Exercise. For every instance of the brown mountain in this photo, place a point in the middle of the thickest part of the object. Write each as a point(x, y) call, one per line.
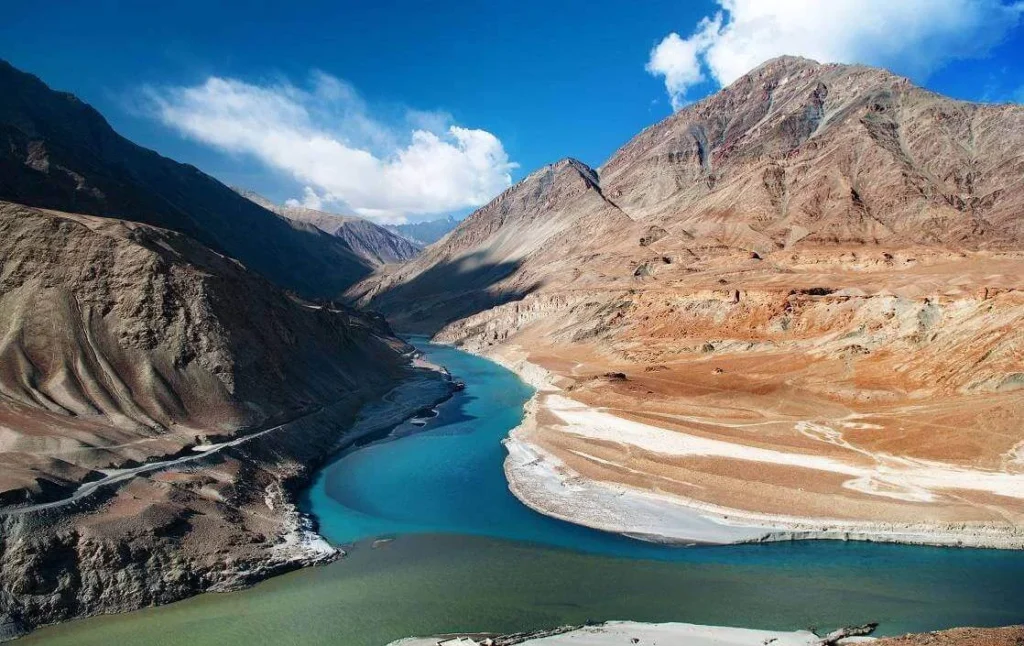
point(817, 262)
point(509, 248)
point(113, 330)
point(798, 152)
point(57, 152)
point(794, 155)
point(373, 243)
point(159, 407)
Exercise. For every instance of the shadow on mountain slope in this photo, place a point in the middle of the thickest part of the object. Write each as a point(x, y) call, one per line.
point(449, 291)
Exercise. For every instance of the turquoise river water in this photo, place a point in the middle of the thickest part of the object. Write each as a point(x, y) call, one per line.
point(467, 556)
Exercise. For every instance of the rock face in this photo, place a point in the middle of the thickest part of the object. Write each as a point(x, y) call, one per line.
point(115, 331)
point(59, 153)
point(373, 243)
point(798, 152)
point(819, 260)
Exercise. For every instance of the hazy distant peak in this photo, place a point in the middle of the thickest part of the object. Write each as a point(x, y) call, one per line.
point(372, 242)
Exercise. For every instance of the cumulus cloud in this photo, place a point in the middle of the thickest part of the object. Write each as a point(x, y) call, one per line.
point(913, 37)
point(325, 137)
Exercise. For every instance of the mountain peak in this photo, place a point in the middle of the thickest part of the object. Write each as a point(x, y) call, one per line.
point(786, 61)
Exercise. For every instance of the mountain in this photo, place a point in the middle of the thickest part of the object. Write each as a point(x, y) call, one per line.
point(124, 345)
point(425, 233)
point(795, 155)
point(114, 330)
point(57, 152)
point(501, 252)
point(812, 276)
point(373, 243)
point(799, 152)
point(165, 391)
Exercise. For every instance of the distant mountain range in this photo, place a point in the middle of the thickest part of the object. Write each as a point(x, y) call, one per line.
point(425, 233)
point(375, 244)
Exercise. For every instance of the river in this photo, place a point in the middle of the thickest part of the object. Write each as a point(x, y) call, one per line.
point(467, 556)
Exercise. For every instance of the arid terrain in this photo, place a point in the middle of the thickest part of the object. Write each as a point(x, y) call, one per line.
point(790, 309)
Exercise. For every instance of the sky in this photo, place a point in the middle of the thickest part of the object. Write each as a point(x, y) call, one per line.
point(409, 111)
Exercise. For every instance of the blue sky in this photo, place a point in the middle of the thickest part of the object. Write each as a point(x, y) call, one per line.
point(319, 101)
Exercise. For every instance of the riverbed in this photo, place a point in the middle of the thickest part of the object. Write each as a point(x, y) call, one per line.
point(460, 553)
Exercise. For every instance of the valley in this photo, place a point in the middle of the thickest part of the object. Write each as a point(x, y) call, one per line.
point(784, 309)
point(790, 311)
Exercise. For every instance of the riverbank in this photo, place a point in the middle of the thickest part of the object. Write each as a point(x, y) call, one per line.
point(615, 633)
point(440, 492)
point(571, 461)
point(222, 521)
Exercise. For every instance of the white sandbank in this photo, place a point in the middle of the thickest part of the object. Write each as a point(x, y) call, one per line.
point(546, 484)
point(623, 633)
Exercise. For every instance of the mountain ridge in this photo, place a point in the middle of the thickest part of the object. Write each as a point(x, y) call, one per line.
point(373, 243)
point(58, 152)
point(425, 233)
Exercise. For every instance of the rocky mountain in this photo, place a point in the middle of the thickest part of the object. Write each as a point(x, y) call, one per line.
point(159, 406)
point(503, 251)
point(799, 152)
point(114, 330)
point(425, 233)
point(373, 243)
point(57, 152)
point(818, 260)
point(793, 155)
point(165, 387)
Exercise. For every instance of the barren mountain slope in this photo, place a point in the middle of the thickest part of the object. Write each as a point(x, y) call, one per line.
point(540, 231)
point(797, 151)
point(159, 406)
point(373, 243)
point(57, 152)
point(120, 341)
point(806, 314)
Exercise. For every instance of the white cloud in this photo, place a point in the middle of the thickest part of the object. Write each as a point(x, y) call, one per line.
point(325, 138)
point(913, 37)
point(310, 200)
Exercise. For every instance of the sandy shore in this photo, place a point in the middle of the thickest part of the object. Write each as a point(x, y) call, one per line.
point(544, 482)
point(616, 633)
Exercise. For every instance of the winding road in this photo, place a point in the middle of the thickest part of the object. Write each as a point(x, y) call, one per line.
point(114, 476)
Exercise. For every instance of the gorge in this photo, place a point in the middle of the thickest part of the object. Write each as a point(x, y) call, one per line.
point(789, 311)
